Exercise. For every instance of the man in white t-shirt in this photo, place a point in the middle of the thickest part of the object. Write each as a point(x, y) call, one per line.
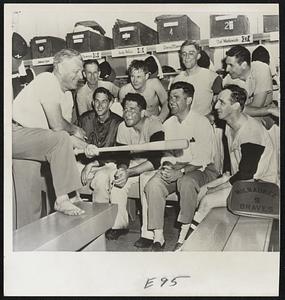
point(85, 94)
point(251, 150)
point(40, 131)
point(206, 82)
point(257, 80)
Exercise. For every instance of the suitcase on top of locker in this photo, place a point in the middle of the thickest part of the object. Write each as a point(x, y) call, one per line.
point(270, 23)
point(127, 34)
point(86, 41)
point(46, 46)
point(228, 25)
point(176, 28)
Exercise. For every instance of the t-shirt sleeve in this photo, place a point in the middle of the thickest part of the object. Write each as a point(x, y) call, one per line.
point(263, 78)
point(155, 125)
point(48, 90)
point(122, 135)
point(250, 157)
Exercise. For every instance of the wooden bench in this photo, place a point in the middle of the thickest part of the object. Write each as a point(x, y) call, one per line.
point(223, 231)
point(58, 232)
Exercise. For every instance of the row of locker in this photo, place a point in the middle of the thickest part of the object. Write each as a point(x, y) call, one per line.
point(126, 34)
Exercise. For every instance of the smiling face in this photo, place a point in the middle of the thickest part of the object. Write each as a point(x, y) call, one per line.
point(178, 102)
point(70, 71)
point(132, 113)
point(189, 56)
point(138, 79)
point(91, 73)
point(101, 104)
point(224, 105)
point(234, 68)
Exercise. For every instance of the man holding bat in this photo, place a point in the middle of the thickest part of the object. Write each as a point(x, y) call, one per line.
point(136, 129)
point(183, 171)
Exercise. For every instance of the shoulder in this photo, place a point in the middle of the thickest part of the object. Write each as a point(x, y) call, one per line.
point(82, 89)
point(258, 65)
point(126, 88)
point(169, 121)
point(153, 82)
point(198, 118)
point(106, 84)
point(252, 131)
point(180, 77)
point(207, 72)
point(46, 78)
point(88, 115)
point(115, 117)
point(153, 119)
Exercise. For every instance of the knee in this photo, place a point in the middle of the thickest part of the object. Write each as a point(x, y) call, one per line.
point(100, 181)
point(187, 182)
point(153, 183)
point(205, 204)
point(61, 137)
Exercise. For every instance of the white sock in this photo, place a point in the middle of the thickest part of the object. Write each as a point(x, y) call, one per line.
point(158, 236)
point(183, 233)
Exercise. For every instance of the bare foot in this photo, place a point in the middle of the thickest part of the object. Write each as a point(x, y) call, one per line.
point(66, 207)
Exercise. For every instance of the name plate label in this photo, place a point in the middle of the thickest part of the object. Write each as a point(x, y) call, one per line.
point(231, 40)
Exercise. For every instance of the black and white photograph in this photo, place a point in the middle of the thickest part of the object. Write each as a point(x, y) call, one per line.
point(138, 128)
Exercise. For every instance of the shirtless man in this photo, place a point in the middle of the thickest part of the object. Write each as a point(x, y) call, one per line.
point(151, 89)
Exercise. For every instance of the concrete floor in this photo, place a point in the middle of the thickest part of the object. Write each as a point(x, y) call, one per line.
point(126, 242)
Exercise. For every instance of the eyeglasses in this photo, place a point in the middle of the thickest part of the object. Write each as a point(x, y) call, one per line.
point(191, 53)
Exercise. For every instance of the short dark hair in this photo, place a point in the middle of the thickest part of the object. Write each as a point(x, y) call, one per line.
point(138, 64)
point(139, 99)
point(90, 62)
point(204, 60)
point(241, 53)
point(260, 54)
point(238, 94)
point(103, 91)
point(187, 88)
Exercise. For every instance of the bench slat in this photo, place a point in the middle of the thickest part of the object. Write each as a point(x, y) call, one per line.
point(213, 232)
point(250, 234)
point(58, 232)
point(223, 231)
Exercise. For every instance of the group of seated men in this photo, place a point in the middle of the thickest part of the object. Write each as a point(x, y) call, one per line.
point(43, 131)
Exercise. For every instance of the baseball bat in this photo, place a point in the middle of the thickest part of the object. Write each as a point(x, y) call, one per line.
point(151, 146)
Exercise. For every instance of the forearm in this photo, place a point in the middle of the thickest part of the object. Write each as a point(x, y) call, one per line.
point(221, 186)
point(188, 167)
point(141, 168)
point(66, 126)
point(163, 112)
point(255, 111)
